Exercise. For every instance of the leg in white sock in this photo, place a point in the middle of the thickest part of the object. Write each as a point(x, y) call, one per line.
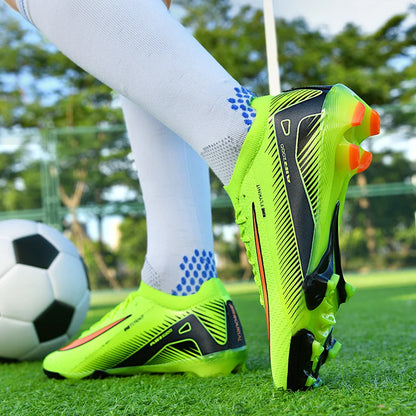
point(176, 191)
point(139, 50)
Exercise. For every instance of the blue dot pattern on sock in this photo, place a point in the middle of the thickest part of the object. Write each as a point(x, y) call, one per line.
point(196, 269)
point(241, 103)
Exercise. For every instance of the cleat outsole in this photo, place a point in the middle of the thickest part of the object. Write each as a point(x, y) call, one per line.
point(285, 189)
point(350, 159)
point(326, 290)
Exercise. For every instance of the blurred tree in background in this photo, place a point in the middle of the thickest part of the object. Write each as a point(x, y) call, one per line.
point(40, 88)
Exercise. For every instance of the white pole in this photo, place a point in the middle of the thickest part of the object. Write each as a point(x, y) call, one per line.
point(271, 47)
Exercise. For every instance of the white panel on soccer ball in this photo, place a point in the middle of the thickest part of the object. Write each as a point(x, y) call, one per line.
point(6, 256)
point(79, 315)
point(16, 338)
point(57, 239)
point(45, 348)
point(12, 229)
point(68, 278)
point(25, 292)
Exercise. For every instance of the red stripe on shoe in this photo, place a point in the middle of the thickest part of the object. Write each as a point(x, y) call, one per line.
point(84, 340)
point(261, 270)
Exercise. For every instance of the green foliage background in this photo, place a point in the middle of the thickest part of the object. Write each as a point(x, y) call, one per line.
point(41, 89)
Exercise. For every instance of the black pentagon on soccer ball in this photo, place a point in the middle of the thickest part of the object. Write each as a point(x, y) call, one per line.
point(34, 250)
point(54, 321)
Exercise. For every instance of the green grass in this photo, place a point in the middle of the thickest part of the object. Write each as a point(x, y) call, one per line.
point(374, 374)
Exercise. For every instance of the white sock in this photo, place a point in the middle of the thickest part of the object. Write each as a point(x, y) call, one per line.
point(138, 49)
point(176, 191)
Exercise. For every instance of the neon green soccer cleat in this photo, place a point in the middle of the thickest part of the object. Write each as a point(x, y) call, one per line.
point(158, 333)
point(288, 190)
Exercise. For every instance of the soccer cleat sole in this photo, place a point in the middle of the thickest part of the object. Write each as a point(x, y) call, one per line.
point(311, 175)
point(325, 289)
point(218, 364)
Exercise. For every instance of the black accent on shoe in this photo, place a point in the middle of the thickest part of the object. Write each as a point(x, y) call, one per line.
point(53, 375)
point(329, 343)
point(315, 283)
point(290, 142)
point(299, 360)
point(197, 340)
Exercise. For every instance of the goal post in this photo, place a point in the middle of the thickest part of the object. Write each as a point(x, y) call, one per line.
point(271, 47)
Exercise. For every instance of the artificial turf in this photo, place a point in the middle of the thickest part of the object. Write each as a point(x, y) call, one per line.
point(374, 374)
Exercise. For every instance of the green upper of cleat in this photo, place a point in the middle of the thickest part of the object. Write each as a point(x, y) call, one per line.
point(155, 332)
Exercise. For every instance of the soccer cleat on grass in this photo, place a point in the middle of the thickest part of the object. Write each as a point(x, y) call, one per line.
point(155, 332)
point(288, 190)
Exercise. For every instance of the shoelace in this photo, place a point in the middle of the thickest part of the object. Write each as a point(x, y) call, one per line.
point(121, 306)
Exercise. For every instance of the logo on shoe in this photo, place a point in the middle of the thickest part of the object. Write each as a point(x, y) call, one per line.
point(94, 335)
point(237, 326)
point(131, 324)
point(285, 164)
point(261, 201)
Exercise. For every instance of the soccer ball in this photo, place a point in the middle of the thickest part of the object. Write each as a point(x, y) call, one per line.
point(44, 290)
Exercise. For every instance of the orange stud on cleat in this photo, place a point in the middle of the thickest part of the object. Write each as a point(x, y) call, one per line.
point(358, 116)
point(354, 156)
point(365, 161)
point(374, 123)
